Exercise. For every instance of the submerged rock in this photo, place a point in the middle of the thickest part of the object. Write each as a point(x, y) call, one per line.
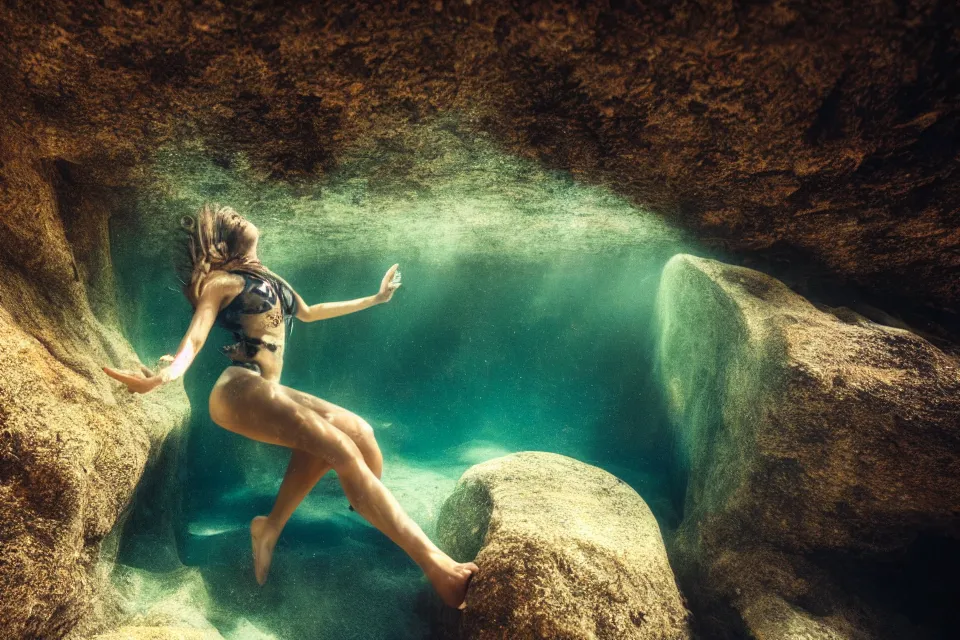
point(72, 451)
point(73, 446)
point(160, 604)
point(565, 550)
point(154, 633)
point(812, 442)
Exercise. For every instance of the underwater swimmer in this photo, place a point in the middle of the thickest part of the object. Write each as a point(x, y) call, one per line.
point(226, 283)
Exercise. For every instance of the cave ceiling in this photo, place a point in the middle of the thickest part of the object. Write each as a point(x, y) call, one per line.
point(823, 135)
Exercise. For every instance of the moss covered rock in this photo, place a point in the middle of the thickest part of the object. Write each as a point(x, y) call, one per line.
point(806, 436)
point(73, 445)
point(565, 550)
point(155, 633)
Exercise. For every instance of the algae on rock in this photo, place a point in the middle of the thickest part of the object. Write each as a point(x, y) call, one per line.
point(565, 549)
point(804, 436)
point(73, 445)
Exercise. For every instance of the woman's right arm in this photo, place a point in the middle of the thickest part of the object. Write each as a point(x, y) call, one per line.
point(215, 293)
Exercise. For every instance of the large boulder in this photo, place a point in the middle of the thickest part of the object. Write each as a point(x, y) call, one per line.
point(71, 453)
point(73, 444)
point(815, 439)
point(565, 550)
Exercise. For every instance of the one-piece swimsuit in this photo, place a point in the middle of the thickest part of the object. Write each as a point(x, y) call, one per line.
point(259, 295)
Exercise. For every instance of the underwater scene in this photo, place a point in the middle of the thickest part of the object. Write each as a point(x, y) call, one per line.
point(526, 322)
point(479, 320)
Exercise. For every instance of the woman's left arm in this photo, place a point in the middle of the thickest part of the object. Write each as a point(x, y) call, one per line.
point(325, 310)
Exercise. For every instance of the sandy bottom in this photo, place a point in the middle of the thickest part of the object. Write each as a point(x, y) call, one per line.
point(332, 576)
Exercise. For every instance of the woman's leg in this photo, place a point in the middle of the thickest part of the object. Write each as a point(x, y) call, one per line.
point(247, 404)
point(303, 472)
point(350, 423)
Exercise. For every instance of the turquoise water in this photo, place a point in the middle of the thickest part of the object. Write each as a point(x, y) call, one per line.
point(524, 323)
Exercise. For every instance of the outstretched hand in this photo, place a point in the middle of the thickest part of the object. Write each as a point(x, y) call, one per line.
point(143, 381)
point(389, 284)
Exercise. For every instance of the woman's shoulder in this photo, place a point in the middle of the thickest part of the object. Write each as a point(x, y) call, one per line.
point(222, 277)
point(223, 283)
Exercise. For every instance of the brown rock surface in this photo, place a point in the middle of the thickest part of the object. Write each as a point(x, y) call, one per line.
point(813, 444)
point(155, 633)
point(822, 132)
point(72, 445)
point(565, 550)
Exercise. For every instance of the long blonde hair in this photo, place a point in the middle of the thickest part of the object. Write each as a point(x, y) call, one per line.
point(212, 245)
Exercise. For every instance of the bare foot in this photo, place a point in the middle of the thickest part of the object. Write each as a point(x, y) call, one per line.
point(263, 538)
point(450, 580)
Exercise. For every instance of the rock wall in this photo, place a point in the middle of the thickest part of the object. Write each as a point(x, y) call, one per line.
point(565, 550)
point(813, 439)
point(72, 445)
point(822, 133)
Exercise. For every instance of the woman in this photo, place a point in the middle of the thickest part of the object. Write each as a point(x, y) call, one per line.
point(229, 285)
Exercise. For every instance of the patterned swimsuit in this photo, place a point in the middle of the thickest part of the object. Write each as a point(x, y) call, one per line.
point(259, 296)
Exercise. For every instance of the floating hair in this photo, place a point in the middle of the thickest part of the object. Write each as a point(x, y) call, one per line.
point(210, 247)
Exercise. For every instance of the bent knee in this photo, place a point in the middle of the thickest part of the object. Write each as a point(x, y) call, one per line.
point(363, 428)
point(351, 424)
point(367, 442)
point(374, 460)
point(324, 440)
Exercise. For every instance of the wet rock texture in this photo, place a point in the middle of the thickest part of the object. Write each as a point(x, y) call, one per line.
point(816, 440)
point(565, 550)
point(821, 132)
point(160, 604)
point(825, 132)
point(154, 633)
point(72, 446)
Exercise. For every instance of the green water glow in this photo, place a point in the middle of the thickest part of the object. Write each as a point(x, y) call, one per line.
point(524, 322)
